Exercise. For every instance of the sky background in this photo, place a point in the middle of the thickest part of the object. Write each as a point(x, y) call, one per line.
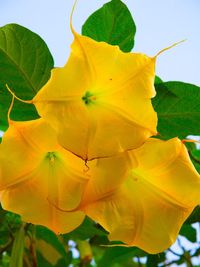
point(159, 24)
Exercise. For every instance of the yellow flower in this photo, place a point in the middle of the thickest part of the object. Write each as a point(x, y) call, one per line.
point(100, 101)
point(45, 183)
point(141, 197)
point(146, 205)
point(39, 178)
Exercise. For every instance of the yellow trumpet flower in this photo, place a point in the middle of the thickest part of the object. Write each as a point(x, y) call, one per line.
point(100, 101)
point(39, 178)
point(141, 197)
point(157, 193)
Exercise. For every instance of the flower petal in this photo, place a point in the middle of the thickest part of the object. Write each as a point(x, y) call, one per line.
point(100, 95)
point(111, 67)
point(148, 207)
point(166, 165)
point(18, 147)
point(139, 216)
point(106, 175)
point(26, 199)
point(37, 156)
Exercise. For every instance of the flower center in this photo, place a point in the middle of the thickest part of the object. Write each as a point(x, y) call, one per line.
point(51, 156)
point(88, 98)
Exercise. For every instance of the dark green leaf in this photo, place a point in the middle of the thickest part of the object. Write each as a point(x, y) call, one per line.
point(25, 64)
point(5, 236)
point(13, 221)
point(152, 260)
point(157, 80)
point(189, 232)
point(195, 216)
point(86, 230)
point(197, 252)
point(42, 262)
point(64, 261)
point(2, 215)
point(178, 108)
point(113, 24)
point(194, 155)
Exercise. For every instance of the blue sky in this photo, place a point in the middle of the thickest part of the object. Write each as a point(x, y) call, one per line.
point(159, 24)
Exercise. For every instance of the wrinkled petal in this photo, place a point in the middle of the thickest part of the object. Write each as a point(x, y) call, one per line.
point(26, 199)
point(160, 191)
point(100, 96)
point(167, 165)
point(106, 175)
point(111, 63)
point(139, 217)
point(59, 176)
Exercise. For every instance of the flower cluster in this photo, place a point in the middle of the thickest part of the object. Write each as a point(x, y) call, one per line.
point(91, 153)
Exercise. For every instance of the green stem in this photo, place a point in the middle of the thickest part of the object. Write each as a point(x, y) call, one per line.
point(18, 249)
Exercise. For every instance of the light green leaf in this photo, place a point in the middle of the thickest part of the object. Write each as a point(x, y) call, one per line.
point(25, 64)
point(113, 24)
point(178, 108)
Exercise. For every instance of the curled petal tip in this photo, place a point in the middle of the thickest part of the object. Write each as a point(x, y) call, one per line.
point(10, 109)
point(189, 141)
point(169, 47)
point(16, 97)
point(71, 17)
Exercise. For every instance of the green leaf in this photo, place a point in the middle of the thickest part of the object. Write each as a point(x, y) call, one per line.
point(113, 24)
point(25, 64)
point(42, 262)
point(195, 216)
point(49, 237)
point(86, 230)
point(178, 108)
point(157, 80)
point(5, 260)
point(189, 232)
point(18, 249)
point(154, 260)
point(194, 154)
point(119, 255)
point(2, 215)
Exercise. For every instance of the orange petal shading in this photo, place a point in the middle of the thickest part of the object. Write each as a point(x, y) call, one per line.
point(100, 101)
point(160, 191)
point(39, 178)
